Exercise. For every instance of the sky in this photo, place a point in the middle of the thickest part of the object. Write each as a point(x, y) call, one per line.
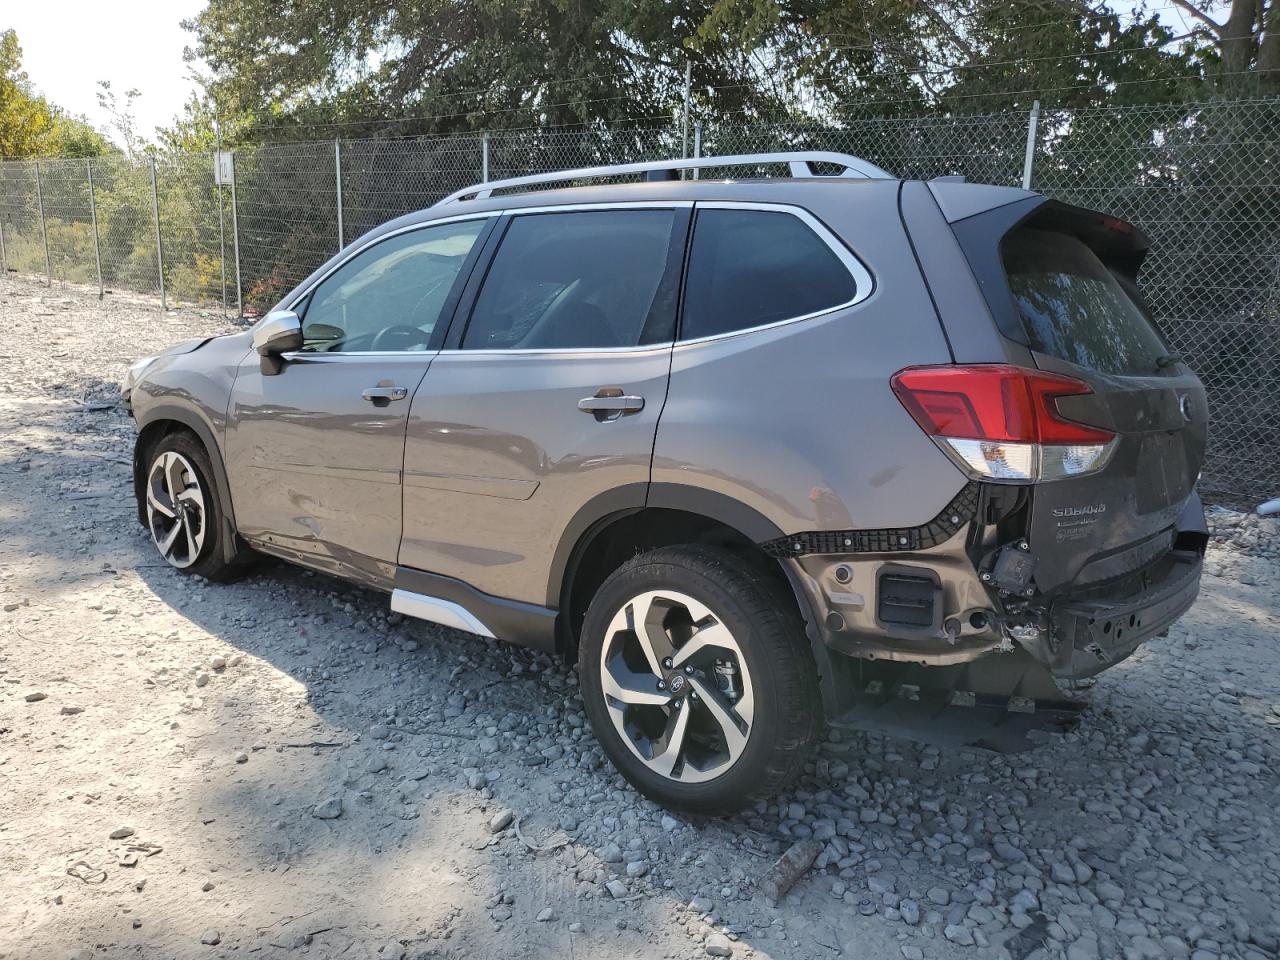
point(69, 45)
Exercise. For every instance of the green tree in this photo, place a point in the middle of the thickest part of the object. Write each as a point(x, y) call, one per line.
point(25, 118)
point(847, 57)
point(354, 67)
point(74, 137)
point(357, 67)
point(30, 126)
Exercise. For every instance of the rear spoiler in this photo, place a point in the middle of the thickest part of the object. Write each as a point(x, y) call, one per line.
point(1115, 241)
point(1118, 243)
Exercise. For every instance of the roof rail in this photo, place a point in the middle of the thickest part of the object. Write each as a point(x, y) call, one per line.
point(800, 163)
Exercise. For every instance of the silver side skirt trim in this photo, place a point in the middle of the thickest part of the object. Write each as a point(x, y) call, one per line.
point(436, 610)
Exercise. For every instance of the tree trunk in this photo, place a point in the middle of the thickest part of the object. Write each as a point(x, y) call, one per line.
point(1269, 51)
point(1237, 37)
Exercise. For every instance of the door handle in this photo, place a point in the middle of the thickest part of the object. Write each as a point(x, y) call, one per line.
point(610, 403)
point(382, 394)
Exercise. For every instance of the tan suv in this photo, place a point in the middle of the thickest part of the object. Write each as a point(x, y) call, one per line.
point(753, 452)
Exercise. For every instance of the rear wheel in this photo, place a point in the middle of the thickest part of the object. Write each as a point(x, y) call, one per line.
point(698, 680)
point(184, 514)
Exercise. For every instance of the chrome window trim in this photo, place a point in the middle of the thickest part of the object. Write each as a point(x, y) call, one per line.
point(863, 282)
point(512, 211)
point(563, 351)
point(362, 354)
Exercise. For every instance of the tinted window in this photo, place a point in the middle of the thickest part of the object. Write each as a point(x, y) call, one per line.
point(1073, 307)
point(751, 267)
point(562, 280)
point(389, 297)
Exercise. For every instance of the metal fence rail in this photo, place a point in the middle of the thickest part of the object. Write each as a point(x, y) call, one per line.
point(1203, 180)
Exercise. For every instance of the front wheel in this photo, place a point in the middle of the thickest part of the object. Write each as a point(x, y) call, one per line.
point(184, 515)
point(698, 680)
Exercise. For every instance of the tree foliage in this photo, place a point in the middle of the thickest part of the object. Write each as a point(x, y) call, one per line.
point(443, 65)
point(359, 67)
point(30, 126)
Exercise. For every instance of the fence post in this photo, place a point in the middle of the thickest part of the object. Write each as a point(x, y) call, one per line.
point(235, 236)
point(337, 185)
point(44, 230)
point(684, 120)
point(4, 202)
point(484, 157)
point(222, 229)
point(155, 213)
point(93, 216)
point(1032, 122)
point(697, 146)
point(4, 257)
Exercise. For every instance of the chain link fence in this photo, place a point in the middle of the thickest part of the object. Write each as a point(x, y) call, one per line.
point(1203, 180)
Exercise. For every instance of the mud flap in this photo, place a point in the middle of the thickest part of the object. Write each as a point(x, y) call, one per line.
point(994, 703)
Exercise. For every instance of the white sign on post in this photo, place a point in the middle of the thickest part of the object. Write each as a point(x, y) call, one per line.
point(224, 168)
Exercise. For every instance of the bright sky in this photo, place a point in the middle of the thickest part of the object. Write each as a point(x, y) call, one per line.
point(69, 45)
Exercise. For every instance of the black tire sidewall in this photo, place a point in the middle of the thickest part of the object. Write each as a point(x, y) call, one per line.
point(693, 572)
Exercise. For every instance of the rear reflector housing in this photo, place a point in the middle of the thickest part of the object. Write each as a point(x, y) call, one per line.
point(1001, 422)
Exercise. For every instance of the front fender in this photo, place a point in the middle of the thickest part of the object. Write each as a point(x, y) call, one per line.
point(159, 421)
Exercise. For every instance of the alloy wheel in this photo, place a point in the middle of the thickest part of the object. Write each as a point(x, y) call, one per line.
point(176, 510)
point(676, 686)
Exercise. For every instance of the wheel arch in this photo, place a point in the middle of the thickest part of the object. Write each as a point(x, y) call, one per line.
point(612, 528)
point(160, 422)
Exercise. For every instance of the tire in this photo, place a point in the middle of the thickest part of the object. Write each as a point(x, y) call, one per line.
point(752, 673)
point(190, 536)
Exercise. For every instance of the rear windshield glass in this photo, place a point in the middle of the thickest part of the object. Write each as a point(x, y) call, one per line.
point(1074, 308)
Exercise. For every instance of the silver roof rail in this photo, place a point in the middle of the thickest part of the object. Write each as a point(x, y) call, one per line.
point(799, 162)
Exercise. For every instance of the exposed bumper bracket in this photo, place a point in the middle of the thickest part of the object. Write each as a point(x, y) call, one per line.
point(992, 704)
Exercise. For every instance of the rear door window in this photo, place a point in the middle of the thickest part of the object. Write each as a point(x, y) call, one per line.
point(1076, 309)
point(749, 268)
point(588, 279)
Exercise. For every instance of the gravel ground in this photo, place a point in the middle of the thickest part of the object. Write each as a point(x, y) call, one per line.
point(280, 767)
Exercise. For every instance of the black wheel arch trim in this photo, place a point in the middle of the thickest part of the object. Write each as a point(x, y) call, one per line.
point(173, 413)
point(599, 511)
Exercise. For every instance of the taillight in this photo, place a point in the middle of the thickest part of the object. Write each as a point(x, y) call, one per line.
point(1002, 422)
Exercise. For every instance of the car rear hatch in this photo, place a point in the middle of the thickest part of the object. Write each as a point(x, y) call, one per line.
point(1066, 291)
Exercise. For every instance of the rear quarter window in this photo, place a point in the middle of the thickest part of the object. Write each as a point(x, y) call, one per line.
point(1074, 307)
point(748, 268)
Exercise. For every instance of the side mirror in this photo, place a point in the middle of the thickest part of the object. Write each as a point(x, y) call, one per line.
point(279, 332)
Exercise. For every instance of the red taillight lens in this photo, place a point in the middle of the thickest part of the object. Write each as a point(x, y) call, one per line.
point(993, 402)
point(1002, 423)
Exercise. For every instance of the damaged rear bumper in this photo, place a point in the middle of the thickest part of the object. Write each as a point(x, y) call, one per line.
point(1095, 632)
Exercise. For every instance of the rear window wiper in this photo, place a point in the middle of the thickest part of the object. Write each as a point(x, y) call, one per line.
point(1167, 360)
